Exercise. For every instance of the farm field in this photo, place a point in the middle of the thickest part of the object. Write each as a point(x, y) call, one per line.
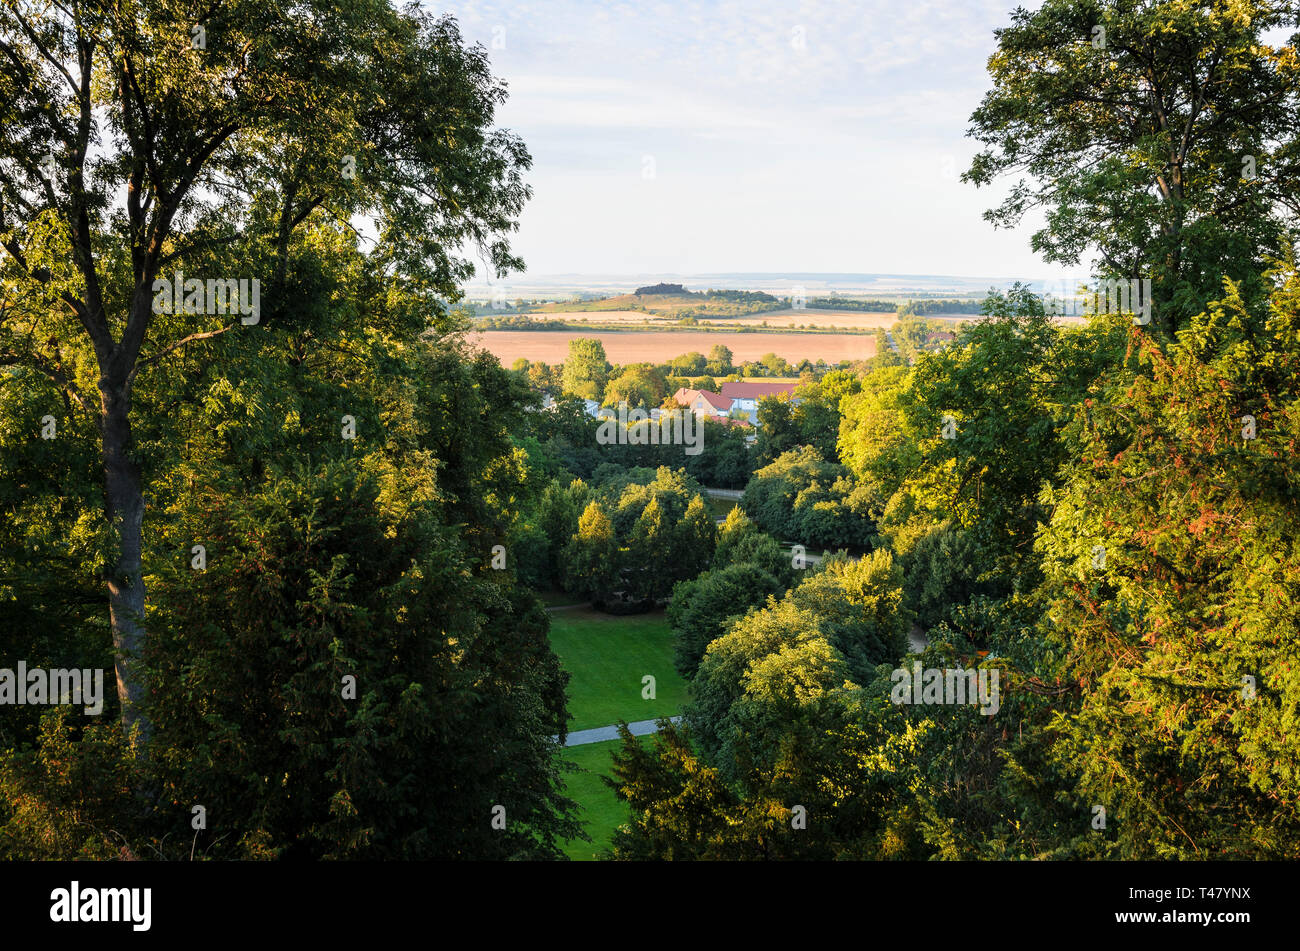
point(853, 320)
point(849, 319)
point(634, 317)
point(654, 303)
point(623, 347)
point(606, 657)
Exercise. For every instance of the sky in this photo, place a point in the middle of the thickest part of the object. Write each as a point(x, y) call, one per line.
point(750, 136)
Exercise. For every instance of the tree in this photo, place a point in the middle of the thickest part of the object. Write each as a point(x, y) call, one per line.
point(702, 608)
point(650, 553)
point(542, 376)
point(802, 498)
point(704, 383)
point(585, 368)
point(817, 416)
point(225, 150)
point(725, 461)
point(1171, 573)
point(314, 592)
point(639, 385)
point(678, 807)
point(694, 539)
point(740, 541)
point(687, 364)
point(543, 530)
point(721, 357)
point(310, 540)
point(755, 686)
point(591, 559)
point(1160, 136)
point(778, 432)
point(859, 607)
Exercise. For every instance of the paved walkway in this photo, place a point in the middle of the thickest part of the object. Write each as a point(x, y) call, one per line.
point(602, 733)
point(725, 493)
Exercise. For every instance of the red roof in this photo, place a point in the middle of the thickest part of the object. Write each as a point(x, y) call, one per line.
point(754, 391)
point(717, 401)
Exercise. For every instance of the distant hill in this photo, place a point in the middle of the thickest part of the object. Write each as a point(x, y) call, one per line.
point(674, 289)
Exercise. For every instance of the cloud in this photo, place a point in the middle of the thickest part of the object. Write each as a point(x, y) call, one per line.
point(816, 135)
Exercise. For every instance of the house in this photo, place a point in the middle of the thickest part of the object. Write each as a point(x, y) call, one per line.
point(744, 397)
point(684, 396)
point(751, 390)
point(703, 403)
point(737, 404)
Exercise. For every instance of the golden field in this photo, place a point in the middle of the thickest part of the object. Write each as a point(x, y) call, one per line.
point(648, 346)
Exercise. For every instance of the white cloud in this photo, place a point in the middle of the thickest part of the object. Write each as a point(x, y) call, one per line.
point(819, 135)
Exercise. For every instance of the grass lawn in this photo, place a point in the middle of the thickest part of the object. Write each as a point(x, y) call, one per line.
point(607, 656)
point(721, 508)
point(601, 811)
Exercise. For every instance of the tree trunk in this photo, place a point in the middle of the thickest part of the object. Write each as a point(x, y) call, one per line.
point(124, 506)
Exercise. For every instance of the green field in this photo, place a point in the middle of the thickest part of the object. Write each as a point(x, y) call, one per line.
point(602, 813)
point(607, 657)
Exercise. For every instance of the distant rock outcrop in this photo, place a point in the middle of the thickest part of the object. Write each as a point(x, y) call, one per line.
point(661, 289)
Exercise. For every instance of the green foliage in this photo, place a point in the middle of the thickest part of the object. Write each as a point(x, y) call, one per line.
point(586, 369)
point(702, 607)
point(678, 807)
point(858, 604)
point(642, 531)
point(346, 465)
point(69, 796)
point(638, 385)
point(318, 577)
point(740, 541)
point(804, 499)
point(778, 432)
point(758, 680)
point(1195, 589)
point(591, 559)
point(1136, 138)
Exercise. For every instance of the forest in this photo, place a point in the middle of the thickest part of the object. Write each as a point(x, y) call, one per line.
point(311, 542)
